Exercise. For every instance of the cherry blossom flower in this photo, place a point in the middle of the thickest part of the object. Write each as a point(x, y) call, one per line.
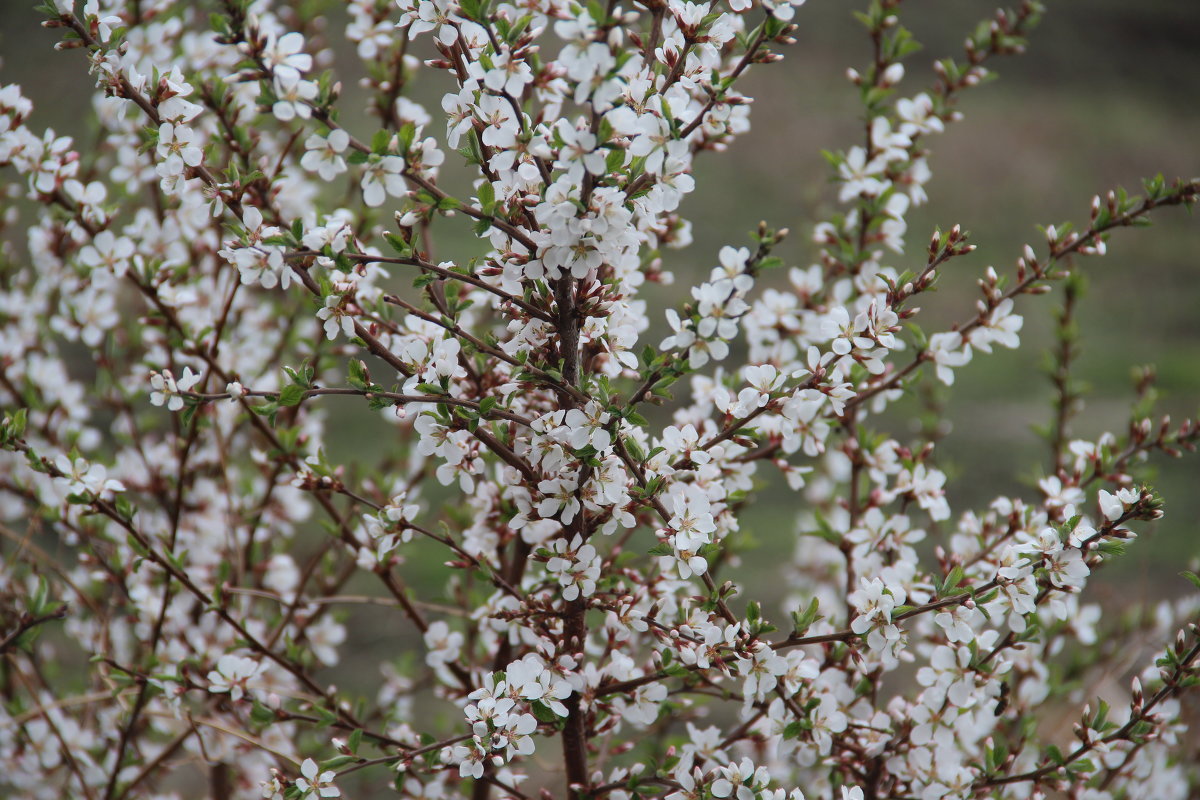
point(421, 16)
point(315, 783)
point(233, 675)
point(444, 645)
point(84, 478)
point(576, 567)
point(177, 148)
point(293, 98)
point(336, 317)
point(382, 176)
point(323, 154)
point(285, 58)
point(168, 390)
point(1113, 505)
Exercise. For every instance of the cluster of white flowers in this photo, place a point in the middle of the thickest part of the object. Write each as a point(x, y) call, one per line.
point(529, 550)
point(499, 712)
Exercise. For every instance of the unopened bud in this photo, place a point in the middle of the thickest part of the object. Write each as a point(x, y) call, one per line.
point(892, 75)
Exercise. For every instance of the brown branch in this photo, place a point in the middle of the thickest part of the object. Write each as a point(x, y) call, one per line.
point(28, 622)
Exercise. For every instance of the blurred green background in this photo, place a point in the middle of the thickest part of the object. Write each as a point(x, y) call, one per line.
point(1108, 93)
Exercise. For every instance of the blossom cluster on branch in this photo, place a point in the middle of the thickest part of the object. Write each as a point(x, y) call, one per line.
point(195, 290)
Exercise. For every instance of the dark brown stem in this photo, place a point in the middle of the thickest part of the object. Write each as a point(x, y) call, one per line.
point(574, 737)
point(28, 623)
point(1060, 375)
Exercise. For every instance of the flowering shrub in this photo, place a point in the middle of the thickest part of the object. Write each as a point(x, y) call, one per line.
point(180, 549)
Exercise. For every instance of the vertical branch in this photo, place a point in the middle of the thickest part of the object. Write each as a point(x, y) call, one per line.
point(574, 734)
point(1066, 391)
point(574, 616)
point(568, 329)
point(853, 449)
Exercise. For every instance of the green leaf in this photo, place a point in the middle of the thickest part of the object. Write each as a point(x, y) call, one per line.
point(338, 761)
point(824, 530)
point(397, 243)
point(676, 670)
point(37, 603)
point(406, 135)
point(261, 714)
point(125, 509)
point(358, 374)
point(543, 712)
point(381, 141)
point(803, 620)
point(487, 196)
point(919, 337)
point(952, 580)
point(615, 160)
point(13, 427)
point(291, 395)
